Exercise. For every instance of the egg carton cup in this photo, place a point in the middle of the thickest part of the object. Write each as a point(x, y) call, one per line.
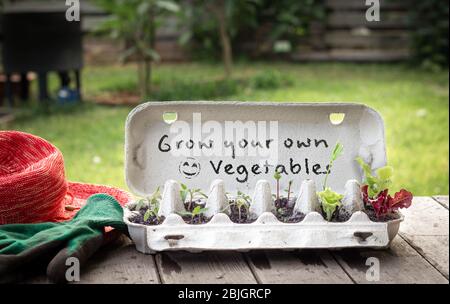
point(266, 232)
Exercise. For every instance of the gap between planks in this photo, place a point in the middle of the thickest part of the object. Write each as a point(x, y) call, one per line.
point(220, 267)
point(442, 199)
point(296, 267)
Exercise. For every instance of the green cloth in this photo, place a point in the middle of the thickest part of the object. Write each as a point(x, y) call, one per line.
point(100, 211)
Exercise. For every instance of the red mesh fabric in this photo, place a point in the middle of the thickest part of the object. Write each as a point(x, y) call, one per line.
point(33, 187)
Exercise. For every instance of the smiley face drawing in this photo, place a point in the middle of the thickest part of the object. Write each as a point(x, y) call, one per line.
point(189, 167)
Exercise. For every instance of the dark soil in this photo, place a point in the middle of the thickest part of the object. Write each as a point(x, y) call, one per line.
point(152, 220)
point(196, 202)
point(373, 217)
point(198, 219)
point(340, 216)
point(285, 211)
point(245, 217)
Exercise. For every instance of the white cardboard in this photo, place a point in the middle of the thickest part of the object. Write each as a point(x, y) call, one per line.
point(361, 133)
point(148, 165)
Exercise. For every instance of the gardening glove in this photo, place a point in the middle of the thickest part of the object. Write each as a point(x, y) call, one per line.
point(26, 245)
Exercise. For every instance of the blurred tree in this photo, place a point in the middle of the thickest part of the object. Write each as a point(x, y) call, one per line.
point(221, 24)
point(219, 21)
point(135, 22)
point(288, 20)
point(430, 37)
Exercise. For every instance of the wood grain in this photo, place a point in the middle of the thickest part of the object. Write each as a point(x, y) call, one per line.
point(208, 267)
point(441, 199)
point(426, 229)
point(398, 264)
point(307, 267)
point(120, 264)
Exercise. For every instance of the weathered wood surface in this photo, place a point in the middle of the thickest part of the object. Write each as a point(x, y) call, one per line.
point(443, 200)
point(120, 263)
point(353, 55)
point(295, 267)
point(426, 228)
point(206, 267)
point(117, 263)
point(419, 254)
point(398, 264)
point(346, 35)
point(361, 5)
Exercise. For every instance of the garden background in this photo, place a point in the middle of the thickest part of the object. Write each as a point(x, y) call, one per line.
point(299, 51)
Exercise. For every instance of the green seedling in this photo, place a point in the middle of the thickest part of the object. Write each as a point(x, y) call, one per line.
point(197, 211)
point(378, 182)
point(242, 201)
point(277, 177)
point(330, 202)
point(329, 199)
point(337, 151)
point(288, 190)
point(152, 204)
point(190, 194)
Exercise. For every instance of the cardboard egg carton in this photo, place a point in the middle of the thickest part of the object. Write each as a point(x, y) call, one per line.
point(304, 137)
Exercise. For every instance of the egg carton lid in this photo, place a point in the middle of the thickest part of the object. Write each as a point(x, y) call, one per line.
point(195, 142)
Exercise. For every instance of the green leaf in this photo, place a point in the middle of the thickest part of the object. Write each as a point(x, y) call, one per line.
point(337, 151)
point(168, 5)
point(277, 175)
point(202, 194)
point(385, 172)
point(379, 182)
point(184, 213)
point(198, 210)
point(330, 201)
point(185, 37)
point(152, 54)
point(141, 203)
point(147, 214)
point(183, 195)
point(143, 8)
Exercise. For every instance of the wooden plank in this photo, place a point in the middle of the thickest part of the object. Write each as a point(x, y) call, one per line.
point(398, 264)
point(426, 229)
point(441, 199)
point(352, 19)
point(309, 266)
point(207, 267)
point(369, 39)
point(361, 4)
point(117, 263)
point(353, 55)
point(120, 263)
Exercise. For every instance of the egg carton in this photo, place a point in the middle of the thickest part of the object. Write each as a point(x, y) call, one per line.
point(147, 166)
point(266, 232)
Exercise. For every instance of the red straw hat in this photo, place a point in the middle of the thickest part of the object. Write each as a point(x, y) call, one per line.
point(33, 187)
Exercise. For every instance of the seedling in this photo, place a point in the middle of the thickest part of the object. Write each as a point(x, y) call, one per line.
point(375, 191)
point(329, 199)
point(197, 212)
point(288, 190)
point(190, 194)
point(151, 204)
point(277, 177)
point(241, 202)
point(337, 151)
point(376, 183)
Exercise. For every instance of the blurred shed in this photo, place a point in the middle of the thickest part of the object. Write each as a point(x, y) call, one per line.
point(346, 35)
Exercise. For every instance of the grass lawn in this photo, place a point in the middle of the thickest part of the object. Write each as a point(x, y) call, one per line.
point(413, 102)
